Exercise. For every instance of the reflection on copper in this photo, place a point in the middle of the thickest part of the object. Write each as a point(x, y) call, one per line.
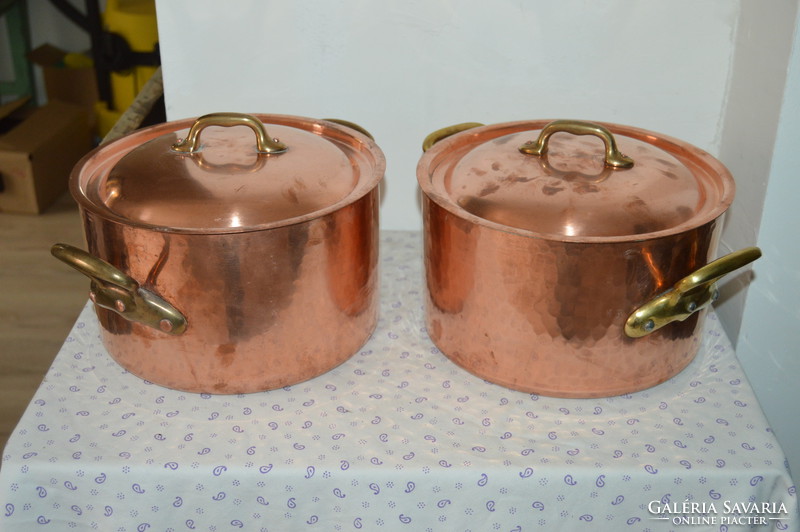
point(152, 275)
point(258, 160)
point(450, 250)
point(482, 172)
point(548, 317)
point(148, 183)
point(581, 179)
point(352, 256)
point(654, 269)
point(264, 309)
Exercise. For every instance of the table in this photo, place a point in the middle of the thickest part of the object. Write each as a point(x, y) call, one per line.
point(396, 438)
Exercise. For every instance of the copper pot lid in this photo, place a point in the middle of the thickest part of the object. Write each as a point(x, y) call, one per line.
point(205, 176)
point(574, 181)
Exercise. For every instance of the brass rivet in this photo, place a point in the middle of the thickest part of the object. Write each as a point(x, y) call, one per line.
point(649, 325)
point(120, 305)
point(165, 325)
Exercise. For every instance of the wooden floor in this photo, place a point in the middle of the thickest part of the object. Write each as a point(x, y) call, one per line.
point(40, 299)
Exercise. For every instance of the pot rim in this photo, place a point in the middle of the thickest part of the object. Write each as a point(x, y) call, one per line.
point(103, 158)
point(432, 158)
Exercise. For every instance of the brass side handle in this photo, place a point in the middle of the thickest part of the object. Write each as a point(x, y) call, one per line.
point(264, 143)
point(613, 157)
point(445, 132)
point(351, 125)
point(689, 295)
point(113, 290)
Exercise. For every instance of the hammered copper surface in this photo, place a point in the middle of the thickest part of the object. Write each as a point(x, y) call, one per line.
point(547, 317)
point(267, 305)
point(534, 265)
point(575, 194)
point(264, 309)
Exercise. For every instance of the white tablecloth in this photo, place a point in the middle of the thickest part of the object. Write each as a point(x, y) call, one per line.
point(397, 438)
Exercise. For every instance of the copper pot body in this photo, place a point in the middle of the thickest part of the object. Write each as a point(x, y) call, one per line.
point(547, 317)
point(265, 308)
point(542, 314)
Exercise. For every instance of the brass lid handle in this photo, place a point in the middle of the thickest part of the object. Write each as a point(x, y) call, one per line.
point(113, 290)
point(613, 157)
point(264, 144)
point(689, 295)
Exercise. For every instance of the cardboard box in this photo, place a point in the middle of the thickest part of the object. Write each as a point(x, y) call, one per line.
point(71, 84)
point(38, 149)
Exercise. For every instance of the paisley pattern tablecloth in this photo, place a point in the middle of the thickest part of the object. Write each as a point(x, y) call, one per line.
point(397, 438)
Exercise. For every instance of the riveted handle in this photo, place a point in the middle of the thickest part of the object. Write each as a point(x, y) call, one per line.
point(689, 295)
point(613, 157)
point(445, 132)
point(113, 290)
point(264, 143)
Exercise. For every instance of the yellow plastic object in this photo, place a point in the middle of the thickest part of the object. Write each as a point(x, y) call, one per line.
point(76, 60)
point(135, 21)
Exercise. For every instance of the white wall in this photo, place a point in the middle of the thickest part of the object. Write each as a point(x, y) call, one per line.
point(769, 343)
point(762, 47)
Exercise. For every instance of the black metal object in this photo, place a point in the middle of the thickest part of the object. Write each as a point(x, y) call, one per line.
point(95, 28)
point(110, 51)
point(72, 13)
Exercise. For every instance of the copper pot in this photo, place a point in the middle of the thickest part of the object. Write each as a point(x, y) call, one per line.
point(557, 265)
point(243, 264)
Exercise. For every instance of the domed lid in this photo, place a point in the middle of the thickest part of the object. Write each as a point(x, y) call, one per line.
point(575, 181)
point(237, 179)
